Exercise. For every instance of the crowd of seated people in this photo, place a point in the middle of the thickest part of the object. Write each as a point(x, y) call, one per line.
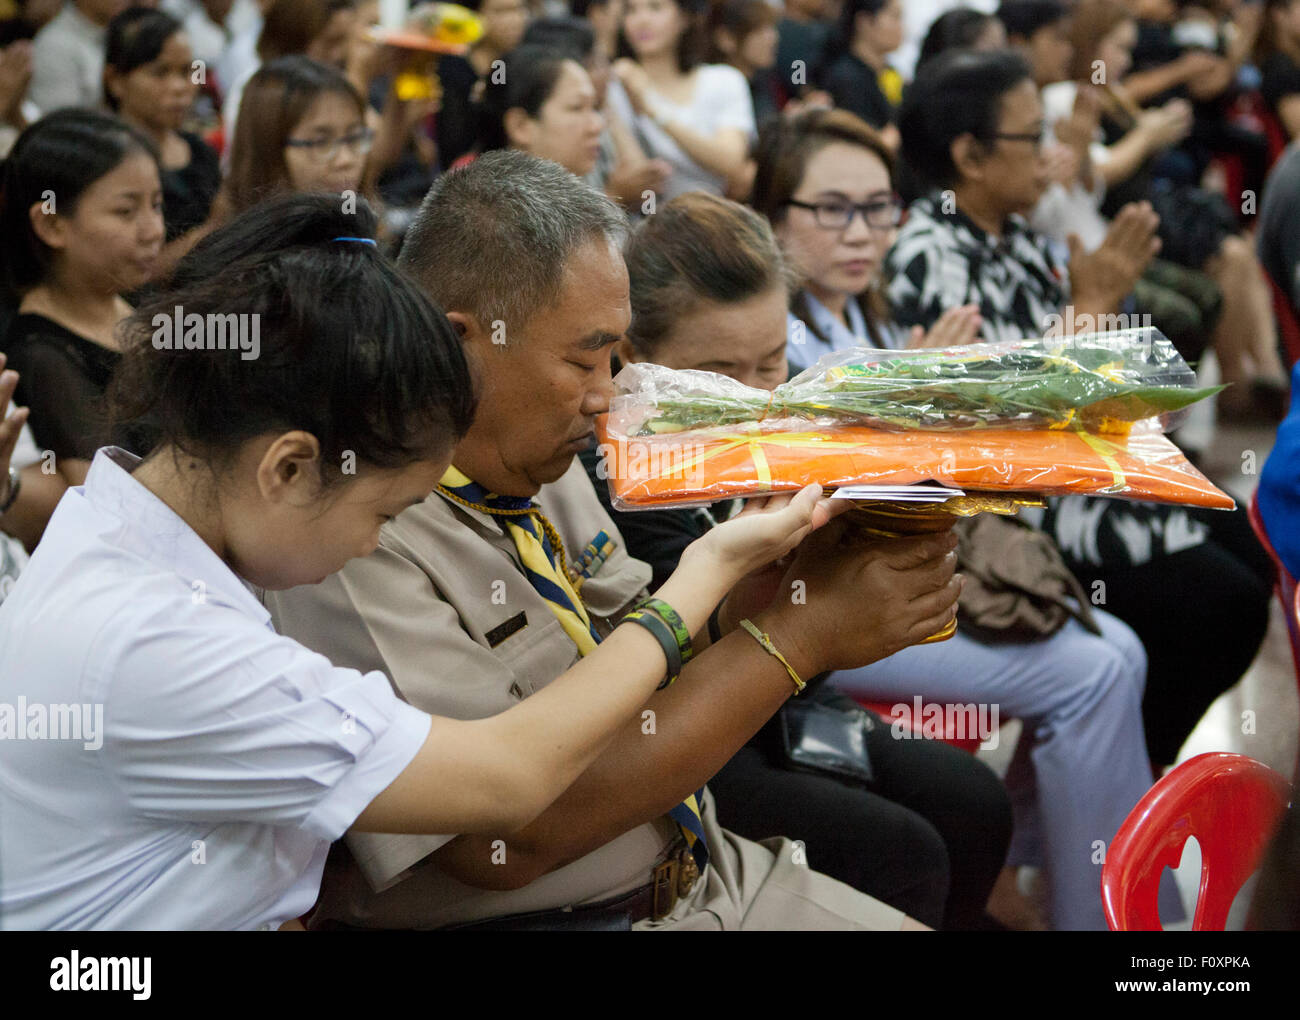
point(351, 587)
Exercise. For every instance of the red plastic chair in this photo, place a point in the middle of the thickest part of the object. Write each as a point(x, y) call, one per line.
point(1229, 802)
point(1287, 589)
point(949, 736)
point(1293, 629)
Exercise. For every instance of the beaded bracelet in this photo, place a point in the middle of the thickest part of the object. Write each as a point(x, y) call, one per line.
point(770, 648)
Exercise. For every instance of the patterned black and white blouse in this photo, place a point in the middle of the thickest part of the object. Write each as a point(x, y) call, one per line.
point(942, 260)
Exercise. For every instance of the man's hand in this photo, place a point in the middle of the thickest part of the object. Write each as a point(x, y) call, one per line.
point(862, 601)
point(1099, 280)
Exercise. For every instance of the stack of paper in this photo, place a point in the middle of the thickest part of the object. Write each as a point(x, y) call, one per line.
point(921, 492)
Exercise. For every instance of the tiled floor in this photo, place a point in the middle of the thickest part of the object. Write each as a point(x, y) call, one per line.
point(1268, 690)
point(1267, 696)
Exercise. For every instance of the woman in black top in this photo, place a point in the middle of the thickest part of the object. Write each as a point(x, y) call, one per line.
point(857, 77)
point(456, 127)
point(81, 213)
point(148, 82)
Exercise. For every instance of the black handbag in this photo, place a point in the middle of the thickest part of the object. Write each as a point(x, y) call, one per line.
point(822, 731)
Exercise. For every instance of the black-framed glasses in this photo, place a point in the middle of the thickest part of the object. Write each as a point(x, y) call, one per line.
point(1035, 139)
point(878, 214)
point(326, 150)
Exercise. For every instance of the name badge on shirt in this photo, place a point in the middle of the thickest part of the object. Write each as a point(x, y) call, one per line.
point(502, 631)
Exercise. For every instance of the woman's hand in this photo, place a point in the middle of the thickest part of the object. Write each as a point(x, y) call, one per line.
point(628, 182)
point(15, 74)
point(814, 100)
point(10, 426)
point(636, 83)
point(765, 530)
point(1167, 125)
point(1100, 279)
point(956, 327)
point(1062, 164)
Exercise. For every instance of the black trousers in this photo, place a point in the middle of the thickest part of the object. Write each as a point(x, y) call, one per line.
point(928, 836)
point(1201, 614)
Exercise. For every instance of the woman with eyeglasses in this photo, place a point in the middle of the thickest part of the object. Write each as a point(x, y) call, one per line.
point(320, 29)
point(302, 127)
point(708, 292)
point(825, 183)
point(1194, 584)
point(1076, 692)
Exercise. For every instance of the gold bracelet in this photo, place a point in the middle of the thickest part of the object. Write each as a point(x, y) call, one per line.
point(770, 648)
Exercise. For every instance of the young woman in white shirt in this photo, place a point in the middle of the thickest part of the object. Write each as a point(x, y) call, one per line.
point(698, 117)
point(170, 761)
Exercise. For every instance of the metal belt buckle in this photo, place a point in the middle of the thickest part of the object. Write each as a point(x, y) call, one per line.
point(687, 873)
point(664, 880)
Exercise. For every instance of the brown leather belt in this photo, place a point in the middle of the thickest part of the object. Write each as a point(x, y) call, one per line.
point(670, 880)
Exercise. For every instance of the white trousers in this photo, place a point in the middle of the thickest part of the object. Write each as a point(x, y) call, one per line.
point(1082, 763)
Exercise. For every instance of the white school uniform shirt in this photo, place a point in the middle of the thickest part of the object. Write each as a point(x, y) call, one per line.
point(226, 759)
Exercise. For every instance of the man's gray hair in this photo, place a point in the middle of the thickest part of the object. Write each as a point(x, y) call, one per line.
point(492, 239)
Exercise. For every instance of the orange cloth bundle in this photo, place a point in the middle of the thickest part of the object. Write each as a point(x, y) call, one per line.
point(705, 465)
point(1048, 417)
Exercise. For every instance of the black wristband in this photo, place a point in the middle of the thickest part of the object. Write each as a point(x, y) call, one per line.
point(664, 635)
point(715, 628)
point(675, 623)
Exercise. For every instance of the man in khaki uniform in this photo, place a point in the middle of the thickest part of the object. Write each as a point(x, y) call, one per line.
point(525, 259)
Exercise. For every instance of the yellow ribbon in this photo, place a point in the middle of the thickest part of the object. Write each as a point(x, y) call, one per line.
point(1106, 451)
point(755, 441)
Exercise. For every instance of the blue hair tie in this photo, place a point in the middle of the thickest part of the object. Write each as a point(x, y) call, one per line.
point(359, 240)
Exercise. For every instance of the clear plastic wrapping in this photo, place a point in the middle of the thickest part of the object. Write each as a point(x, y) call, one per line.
point(1039, 417)
point(1101, 381)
